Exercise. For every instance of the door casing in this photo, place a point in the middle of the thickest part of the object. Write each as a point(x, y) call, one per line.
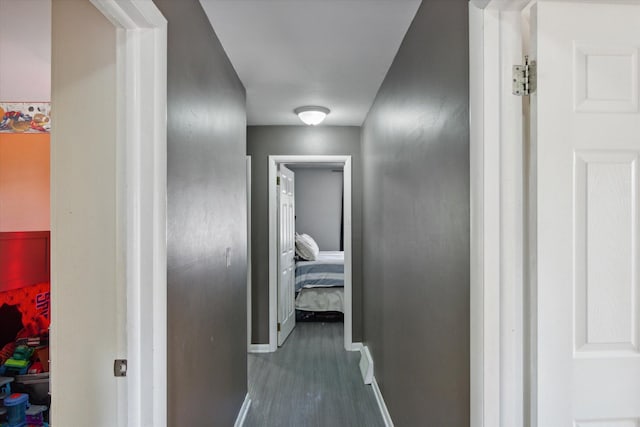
point(501, 303)
point(349, 345)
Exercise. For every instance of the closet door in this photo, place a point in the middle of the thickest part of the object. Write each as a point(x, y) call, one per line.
point(586, 138)
point(286, 252)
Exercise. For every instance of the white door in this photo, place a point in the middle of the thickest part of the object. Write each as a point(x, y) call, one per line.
point(286, 252)
point(88, 224)
point(586, 139)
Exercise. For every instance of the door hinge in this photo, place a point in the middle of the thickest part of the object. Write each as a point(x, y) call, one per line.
point(278, 326)
point(277, 180)
point(120, 368)
point(524, 78)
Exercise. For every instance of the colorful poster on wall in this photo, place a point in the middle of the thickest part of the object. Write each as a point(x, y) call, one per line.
point(25, 117)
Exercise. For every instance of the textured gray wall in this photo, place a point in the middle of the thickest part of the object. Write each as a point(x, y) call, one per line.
point(318, 195)
point(263, 141)
point(207, 359)
point(416, 222)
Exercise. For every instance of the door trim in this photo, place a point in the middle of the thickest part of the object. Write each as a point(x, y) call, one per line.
point(142, 164)
point(248, 175)
point(500, 370)
point(273, 255)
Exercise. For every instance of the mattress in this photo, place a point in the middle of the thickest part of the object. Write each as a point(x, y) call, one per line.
point(321, 299)
point(326, 271)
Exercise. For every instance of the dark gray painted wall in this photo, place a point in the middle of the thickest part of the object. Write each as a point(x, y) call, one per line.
point(263, 141)
point(416, 222)
point(207, 374)
point(318, 197)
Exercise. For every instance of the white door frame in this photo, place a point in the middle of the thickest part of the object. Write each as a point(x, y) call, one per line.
point(142, 129)
point(248, 175)
point(500, 313)
point(273, 253)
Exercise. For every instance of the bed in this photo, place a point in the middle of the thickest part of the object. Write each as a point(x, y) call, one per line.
point(320, 284)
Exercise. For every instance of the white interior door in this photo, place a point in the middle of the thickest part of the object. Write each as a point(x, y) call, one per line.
point(88, 223)
point(286, 252)
point(586, 139)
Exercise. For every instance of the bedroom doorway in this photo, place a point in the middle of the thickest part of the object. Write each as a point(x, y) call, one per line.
point(332, 296)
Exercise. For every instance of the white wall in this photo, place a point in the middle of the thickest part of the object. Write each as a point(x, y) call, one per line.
point(87, 283)
point(318, 195)
point(25, 50)
point(24, 182)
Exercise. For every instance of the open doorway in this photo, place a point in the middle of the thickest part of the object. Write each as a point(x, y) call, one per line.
point(310, 245)
point(321, 299)
point(25, 290)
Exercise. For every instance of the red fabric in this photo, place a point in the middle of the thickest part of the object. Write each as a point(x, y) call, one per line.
point(33, 302)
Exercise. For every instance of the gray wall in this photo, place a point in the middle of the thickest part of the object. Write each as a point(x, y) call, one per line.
point(263, 141)
point(416, 222)
point(318, 195)
point(207, 359)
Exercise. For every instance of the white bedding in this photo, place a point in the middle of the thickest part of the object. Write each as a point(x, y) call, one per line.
point(321, 299)
point(337, 256)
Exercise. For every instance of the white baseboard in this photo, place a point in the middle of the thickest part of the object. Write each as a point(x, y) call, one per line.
point(366, 365)
point(356, 346)
point(259, 348)
point(366, 369)
point(244, 410)
point(383, 406)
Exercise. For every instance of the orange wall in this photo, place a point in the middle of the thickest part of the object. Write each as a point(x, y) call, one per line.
point(24, 182)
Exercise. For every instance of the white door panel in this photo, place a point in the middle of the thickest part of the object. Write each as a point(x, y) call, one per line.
point(586, 137)
point(286, 253)
point(88, 221)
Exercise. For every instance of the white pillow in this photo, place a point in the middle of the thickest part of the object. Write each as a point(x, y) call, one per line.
point(306, 247)
point(312, 242)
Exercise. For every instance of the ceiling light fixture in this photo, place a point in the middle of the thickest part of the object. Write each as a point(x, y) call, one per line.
point(312, 115)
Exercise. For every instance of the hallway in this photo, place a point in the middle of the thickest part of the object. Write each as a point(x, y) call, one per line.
point(310, 381)
point(174, 105)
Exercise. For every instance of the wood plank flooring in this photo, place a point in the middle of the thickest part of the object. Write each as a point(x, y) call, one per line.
point(311, 381)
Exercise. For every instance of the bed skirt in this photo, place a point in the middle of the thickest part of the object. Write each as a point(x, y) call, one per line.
point(321, 299)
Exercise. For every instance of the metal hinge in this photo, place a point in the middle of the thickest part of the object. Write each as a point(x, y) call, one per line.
point(120, 368)
point(278, 326)
point(277, 180)
point(524, 78)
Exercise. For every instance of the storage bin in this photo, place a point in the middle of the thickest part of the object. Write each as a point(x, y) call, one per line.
point(5, 389)
point(16, 405)
point(36, 386)
point(35, 415)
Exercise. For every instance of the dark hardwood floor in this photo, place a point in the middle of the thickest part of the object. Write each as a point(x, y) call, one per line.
point(311, 381)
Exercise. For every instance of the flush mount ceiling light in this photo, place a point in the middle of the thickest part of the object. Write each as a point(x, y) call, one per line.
point(311, 115)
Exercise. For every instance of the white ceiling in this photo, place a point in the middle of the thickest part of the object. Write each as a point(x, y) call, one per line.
point(290, 53)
